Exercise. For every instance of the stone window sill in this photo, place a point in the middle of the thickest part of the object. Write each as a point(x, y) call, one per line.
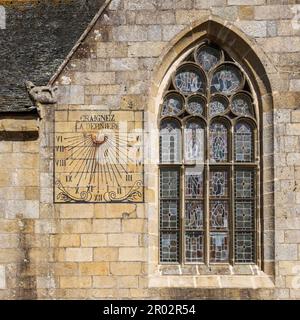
point(212, 281)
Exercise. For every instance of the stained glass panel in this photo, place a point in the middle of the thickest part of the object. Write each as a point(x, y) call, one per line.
point(208, 57)
point(243, 143)
point(219, 183)
point(193, 215)
point(194, 183)
point(194, 142)
point(169, 214)
point(227, 80)
point(218, 142)
point(173, 105)
point(217, 106)
point(169, 183)
point(194, 245)
point(244, 184)
point(169, 247)
point(170, 142)
point(242, 104)
point(244, 248)
point(196, 105)
point(219, 214)
point(244, 217)
point(219, 247)
point(189, 79)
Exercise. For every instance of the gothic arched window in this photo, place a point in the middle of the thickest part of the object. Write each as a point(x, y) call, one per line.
point(208, 162)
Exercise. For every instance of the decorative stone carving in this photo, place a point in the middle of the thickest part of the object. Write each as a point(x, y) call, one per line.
point(41, 95)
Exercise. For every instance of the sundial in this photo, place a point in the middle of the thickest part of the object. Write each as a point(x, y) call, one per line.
point(98, 156)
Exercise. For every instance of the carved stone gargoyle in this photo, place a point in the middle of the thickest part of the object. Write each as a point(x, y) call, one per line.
point(41, 95)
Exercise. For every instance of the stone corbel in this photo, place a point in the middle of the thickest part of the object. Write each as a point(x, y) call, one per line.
point(43, 95)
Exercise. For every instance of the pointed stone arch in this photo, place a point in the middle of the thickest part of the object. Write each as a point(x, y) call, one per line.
point(259, 70)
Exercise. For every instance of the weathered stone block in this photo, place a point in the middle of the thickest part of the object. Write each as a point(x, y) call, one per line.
point(169, 32)
point(254, 29)
point(106, 254)
point(275, 12)
point(228, 13)
point(206, 4)
point(286, 252)
point(245, 2)
point(130, 33)
point(65, 240)
point(246, 12)
point(75, 282)
point(140, 5)
point(90, 78)
point(134, 225)
point(72, 94)
point(106, 225)
point(295, 85)
point(125, 268)
point(2, 277)
point(104, 282)
point(292, 236)
point(9, 241)
point(79, 254)
point(94, 268)
point(77, 211)
point(123, 64)
point(132, 254)
point(145, 49)
point(189, 16)
point(123, 240)
point(76, 226)
point(93, 240)
point(128, 282)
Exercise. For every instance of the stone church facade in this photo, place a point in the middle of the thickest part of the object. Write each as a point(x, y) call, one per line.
point(72, 226)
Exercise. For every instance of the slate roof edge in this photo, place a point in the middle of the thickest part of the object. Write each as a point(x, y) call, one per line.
point(33, 109)
point(78, 43)
point(19, 111)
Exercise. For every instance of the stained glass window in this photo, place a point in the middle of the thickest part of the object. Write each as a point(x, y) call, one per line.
point(219, 214)
point(169, 183)
point(244, 217)
point(244, 248)
point(194, 215)
point(243, 140)
point(169, 244)
point(173, 105)
point(219, 247)
point(208, 57)
point(196, 105)
point(219, 183)
point(227, 80)
point(208, 199)
point(194, 183)
point(170, 141)
point(244, 184)
point(242, 104)
point(218, 142)
point(218, 105)
point(189, 79)
point(194, 141)
point(194, 246)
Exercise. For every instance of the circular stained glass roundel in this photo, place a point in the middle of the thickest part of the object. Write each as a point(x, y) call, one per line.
point(242, 104)
point(173, 105)
point(189, 79)
point(218, 105)
point(196, 105)
point(208, 57)
point(227, 80)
